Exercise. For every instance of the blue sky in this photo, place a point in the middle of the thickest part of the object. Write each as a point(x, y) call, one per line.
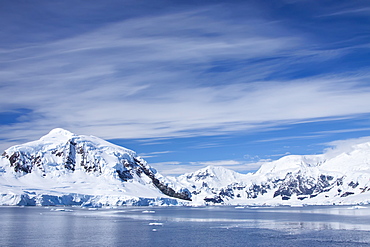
point(188, 83)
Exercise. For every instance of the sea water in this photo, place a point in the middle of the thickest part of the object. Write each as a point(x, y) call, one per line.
point(186, 226)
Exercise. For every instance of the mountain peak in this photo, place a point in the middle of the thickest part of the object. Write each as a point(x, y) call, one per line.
point(62, 159)
point(58, 133)
point(213, 175)
point(215, 170)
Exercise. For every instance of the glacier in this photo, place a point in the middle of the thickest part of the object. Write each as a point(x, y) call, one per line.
point(67, 169)
point(291, 180)
point(62, 168)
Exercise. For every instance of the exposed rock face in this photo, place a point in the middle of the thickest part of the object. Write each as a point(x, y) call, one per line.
point(303, 187)
point(61, 153)
point(63, 168)
point(292, 185)
point(315, 179)
point(183, 194)
point(22, 162)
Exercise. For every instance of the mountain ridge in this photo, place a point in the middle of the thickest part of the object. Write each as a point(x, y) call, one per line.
point(62, 168)
point(298, 179)
point(60, 160)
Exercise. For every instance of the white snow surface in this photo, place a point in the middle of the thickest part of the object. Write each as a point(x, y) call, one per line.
point(211, 177)
point(308, 179)
point(43, 176)
point(94, 180)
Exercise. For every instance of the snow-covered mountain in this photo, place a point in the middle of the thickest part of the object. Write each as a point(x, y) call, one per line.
point(67, 169)
point(293, 180)
point(63, 168)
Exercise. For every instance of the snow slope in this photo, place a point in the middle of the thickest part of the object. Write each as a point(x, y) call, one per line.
point(67, 169)
point(64, 168)
point(292, 180)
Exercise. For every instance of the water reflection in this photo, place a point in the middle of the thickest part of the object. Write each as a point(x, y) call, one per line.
point(283, 219)
point(172, 226)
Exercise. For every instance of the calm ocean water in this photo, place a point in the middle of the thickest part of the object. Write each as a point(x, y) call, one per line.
point(185, 226)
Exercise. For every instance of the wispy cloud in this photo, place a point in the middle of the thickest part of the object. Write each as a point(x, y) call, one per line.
point(155, 77)
point(176, 168)
point(173, 168)
point(355, 11)
point(153, 154)
point(290, 138)
point(217, 163)
point(343, 131)
point(343, 146)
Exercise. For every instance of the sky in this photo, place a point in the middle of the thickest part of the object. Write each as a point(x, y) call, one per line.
point(187, 84)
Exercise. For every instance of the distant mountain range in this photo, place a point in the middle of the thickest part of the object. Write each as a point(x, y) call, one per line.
point(67, 169)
